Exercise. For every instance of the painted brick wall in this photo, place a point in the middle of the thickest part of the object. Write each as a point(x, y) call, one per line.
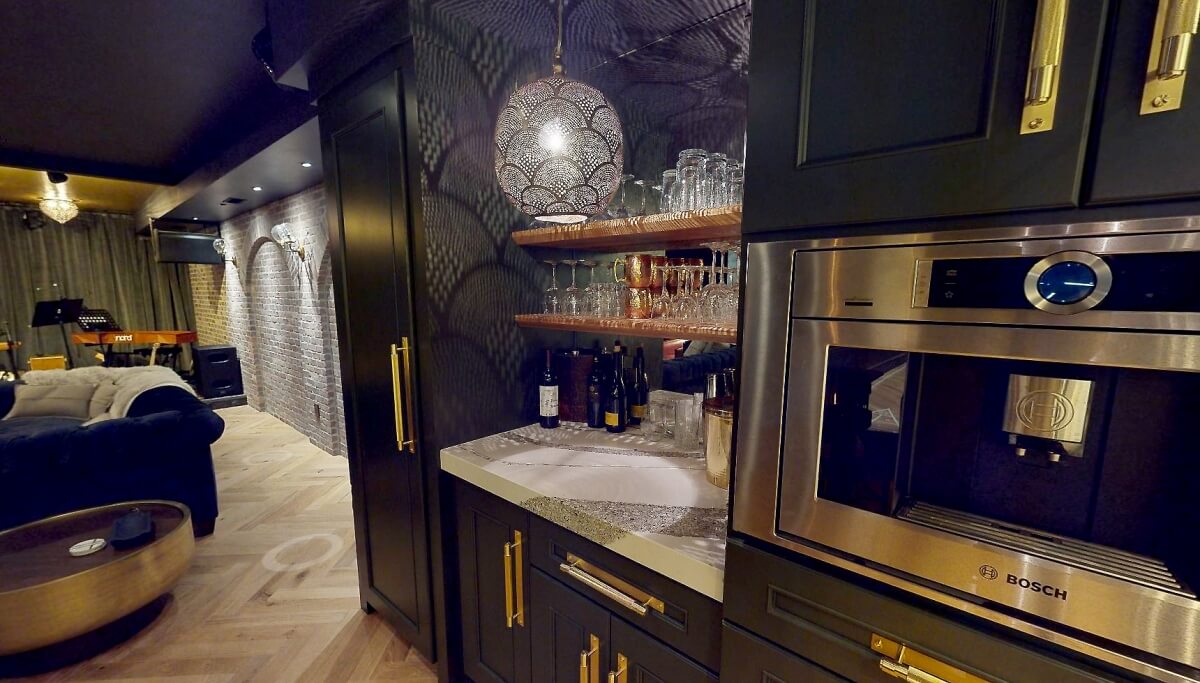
point(279, 313)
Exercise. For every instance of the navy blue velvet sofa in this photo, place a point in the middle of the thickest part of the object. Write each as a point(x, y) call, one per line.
point(52, 465)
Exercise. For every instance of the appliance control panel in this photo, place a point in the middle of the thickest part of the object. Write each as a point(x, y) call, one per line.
point(1064, 283)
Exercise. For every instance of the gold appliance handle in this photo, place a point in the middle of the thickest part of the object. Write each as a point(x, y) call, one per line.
point(1175, 25)
point(914, 667)
point(396, 398)
point(623, 593)
point(621, 675)
point(589, 661)
point(513, 553)
point(1045, 62)
point(411, 443)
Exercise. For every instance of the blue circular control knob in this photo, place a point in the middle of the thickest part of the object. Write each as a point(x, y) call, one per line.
point(1067, 283)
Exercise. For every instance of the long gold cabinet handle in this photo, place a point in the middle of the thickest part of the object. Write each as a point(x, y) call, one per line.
point(397, 399)
point(1045, 65)
point(405, 351)
point(616, 589)
point(914, 667)
point(621, 675)
point(513, 553)
point(1175, 26)
point(589, 661)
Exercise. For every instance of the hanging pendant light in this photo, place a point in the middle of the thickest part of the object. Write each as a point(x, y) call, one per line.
point(559, 149)
point(60, 209)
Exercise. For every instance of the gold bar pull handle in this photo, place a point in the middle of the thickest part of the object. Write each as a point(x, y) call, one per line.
point(411, 443)
point(914, 667)
point(589, 661)
point(397, 410)
point(1045, 62)
point(1175, 25)
point(508, 585)
point(621, 675)
point(513, 555)
point(622, 592)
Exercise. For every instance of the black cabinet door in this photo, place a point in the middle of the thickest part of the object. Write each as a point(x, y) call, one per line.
point(876, 110)
point(495, 647)
point(1151, 156)
point(363, 133)
point(747, 658)
point(647, 660)
point(569, 632)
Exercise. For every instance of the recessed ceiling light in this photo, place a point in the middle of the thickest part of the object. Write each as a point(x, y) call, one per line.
point(195, 218)
point(257, 188)
point(306, 164)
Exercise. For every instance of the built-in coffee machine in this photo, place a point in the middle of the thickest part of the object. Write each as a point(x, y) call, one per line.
point(1011, 417)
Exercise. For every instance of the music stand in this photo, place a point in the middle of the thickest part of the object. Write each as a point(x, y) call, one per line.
point(59, 312)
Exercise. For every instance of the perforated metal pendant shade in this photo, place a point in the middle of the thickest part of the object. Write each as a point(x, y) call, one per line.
point(559, 150)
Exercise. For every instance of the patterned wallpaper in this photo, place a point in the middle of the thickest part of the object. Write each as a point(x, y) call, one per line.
point(676, 73)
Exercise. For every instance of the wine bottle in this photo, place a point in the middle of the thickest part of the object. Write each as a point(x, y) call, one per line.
point(548, 395)
point(595, 392)
point(616, 405)
point(639, 392)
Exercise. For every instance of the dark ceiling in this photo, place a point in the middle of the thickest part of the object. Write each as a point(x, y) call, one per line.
point(144, 90)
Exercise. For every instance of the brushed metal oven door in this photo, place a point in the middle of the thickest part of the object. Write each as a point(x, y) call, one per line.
point(1138, 616)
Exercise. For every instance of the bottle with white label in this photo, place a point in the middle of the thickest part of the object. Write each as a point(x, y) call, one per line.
point(548, 395)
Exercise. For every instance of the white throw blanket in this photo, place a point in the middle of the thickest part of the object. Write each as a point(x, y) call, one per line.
point(130, 383)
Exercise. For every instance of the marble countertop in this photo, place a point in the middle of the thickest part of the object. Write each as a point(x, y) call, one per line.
point(633, 493)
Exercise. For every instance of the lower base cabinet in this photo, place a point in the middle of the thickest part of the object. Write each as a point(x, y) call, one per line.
point(748, 658)
point(521, 623)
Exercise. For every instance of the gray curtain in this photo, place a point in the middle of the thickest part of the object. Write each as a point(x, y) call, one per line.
point(97, 257)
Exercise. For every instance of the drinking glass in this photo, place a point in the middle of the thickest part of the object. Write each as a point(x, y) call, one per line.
point(550, 298)
point(639, 199)
point(572, 301)
point(686, 306)
point(691, 178)
point(654, 200)
point(669, 191)
point(620, 205)
point(662, 305)
point(687, 427)
point(716, 190)
point(737, 183)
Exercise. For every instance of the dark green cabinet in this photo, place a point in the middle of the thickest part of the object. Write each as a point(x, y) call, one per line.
point(364, 136)
point(492, 558)
point(566, 629)
point(876, 110)
point(1144, 156)
point(749, 658)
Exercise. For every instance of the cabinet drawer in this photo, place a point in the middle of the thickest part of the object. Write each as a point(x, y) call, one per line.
point(831, 621)
point(646, 660)
point(688, 621)
point(748, 658)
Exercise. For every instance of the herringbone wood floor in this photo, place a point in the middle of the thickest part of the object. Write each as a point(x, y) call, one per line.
point(272, 595)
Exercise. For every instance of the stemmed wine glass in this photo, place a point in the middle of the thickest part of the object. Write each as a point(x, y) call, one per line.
point(661, 308)
point(591, 293)
point(685, 305)
point(550, 298)
point(572, 303)
point(712, 291)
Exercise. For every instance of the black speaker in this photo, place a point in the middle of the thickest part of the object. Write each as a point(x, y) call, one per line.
point(218, 371)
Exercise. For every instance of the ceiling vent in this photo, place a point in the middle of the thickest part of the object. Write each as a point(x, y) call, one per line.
point(231, 200)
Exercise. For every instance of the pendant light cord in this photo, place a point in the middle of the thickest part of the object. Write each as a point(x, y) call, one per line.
point(558, 51)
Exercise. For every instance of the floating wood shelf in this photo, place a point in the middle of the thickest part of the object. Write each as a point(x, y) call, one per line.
point(658, 231)
point(656, 328)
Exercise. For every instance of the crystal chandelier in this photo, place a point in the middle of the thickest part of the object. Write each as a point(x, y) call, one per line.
point(61, 209)
point(559, 149)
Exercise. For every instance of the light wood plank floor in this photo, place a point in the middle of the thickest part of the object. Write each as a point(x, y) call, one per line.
point(272, 595)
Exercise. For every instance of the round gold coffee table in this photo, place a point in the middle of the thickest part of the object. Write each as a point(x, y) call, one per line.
point(47, 596)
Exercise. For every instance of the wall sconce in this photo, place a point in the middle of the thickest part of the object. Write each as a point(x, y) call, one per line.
point(222, 248)
point(282, 234)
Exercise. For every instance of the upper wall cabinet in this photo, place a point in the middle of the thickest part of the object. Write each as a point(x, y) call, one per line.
point(876, 110)
point(1149, 141)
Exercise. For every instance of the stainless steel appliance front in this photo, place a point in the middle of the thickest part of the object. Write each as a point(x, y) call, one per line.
point(815, 308)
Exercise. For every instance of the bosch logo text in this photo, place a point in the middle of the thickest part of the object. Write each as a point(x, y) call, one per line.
point(1038, 587)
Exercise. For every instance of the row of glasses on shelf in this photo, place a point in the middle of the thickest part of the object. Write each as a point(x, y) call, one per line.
point(644, 286)
point(699, 180)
